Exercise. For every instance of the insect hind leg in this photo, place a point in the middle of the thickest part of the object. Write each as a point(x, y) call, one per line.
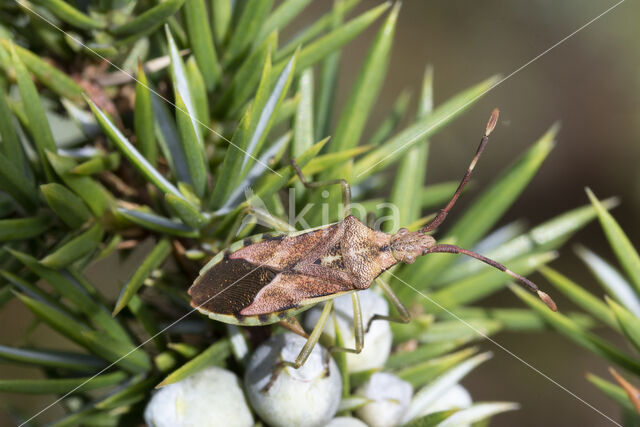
point(293, 325)
point(306, 349)
point(346, 188)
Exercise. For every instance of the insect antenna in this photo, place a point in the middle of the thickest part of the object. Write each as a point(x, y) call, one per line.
point(491, 124)
point(452, 249)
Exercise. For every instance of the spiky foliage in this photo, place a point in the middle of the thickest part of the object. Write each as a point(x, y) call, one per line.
point(619, 312)
point(218, 106)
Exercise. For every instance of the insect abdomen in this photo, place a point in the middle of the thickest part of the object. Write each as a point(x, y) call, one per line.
point(229, 286)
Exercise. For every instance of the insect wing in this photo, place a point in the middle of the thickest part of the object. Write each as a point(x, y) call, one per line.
point(229, 286)
point(290, 290)
point(231, 281)
point(283, 252)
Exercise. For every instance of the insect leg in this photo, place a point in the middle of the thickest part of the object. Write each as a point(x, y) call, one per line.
point(403, 314)
point(274, 222)
point(292, 324)
point(346, 188)
point(483, 142)
point(306, 349)
point(248, 216)
point(358, 330)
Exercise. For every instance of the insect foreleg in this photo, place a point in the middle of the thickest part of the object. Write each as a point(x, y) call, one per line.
point(358, 329)
point(403, 314)
point(346, 189)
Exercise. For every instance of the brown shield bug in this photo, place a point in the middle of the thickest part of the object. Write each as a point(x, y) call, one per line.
point(270, 278)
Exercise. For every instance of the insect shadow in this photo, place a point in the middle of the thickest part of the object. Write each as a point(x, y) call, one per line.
point(269, 278)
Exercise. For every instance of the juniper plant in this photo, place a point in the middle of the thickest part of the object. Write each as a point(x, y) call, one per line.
point(618, 313)
point(168, 122)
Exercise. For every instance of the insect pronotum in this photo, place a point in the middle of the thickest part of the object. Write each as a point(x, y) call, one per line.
point(270, 278)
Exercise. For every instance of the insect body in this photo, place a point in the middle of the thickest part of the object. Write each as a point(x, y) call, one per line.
point(270, 278)
point(281, 275)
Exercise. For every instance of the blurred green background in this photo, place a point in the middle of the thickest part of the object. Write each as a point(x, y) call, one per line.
point(590, 83)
